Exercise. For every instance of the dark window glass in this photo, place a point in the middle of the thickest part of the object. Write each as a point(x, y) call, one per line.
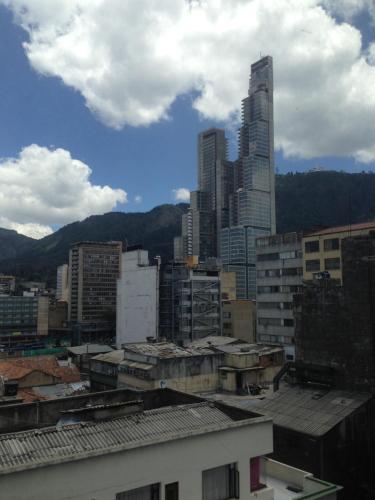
point(312, 246)
point(332, 263)
point(331, 244)
point(313, 265)
point(171, 491)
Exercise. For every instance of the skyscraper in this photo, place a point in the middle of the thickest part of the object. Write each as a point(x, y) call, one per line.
point(252, 203)
point(235, 201)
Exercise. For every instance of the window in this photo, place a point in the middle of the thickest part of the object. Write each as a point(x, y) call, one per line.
point(220, 483)
point(288, 322)
point(313, 265)
point(171, 491)
point(312, 246)
point(150, 492)
point(331, 244)
point(332, 263)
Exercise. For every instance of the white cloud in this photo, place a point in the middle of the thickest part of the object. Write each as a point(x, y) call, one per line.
point(349, 8)
point(138, 198)
point(44, 187)
point(130, 60)
point(181, 194)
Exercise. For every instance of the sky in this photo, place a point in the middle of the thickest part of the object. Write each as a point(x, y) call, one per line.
point(102, 100)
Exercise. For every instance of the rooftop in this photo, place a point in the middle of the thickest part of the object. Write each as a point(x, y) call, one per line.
point(89, 349)
point(343, 229)
point(245, 348)
point(18, 368)
point(167, 350)
point(42, 447)
point(307, 410)
point(115, 356)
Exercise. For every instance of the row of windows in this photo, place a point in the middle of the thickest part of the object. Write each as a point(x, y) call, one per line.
point(277, 273)
point(329, 264)
point(277, 339)
point(279, 289)
point(275, 305)
point(276, 322)
point(328, 245)
point(291, 254)
point(219, 483)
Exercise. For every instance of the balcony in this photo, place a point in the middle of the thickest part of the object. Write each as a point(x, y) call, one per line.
point(284, 482)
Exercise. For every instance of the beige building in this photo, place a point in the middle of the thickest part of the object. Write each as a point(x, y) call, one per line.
point(239, 319)
point(322, 249)
point(228, 285)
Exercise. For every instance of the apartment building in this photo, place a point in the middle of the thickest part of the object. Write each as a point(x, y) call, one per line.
point(279, 278)
point(322, 249)
point(62, 283)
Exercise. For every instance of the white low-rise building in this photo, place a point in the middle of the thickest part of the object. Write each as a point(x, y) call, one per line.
point(174, 450)
point(137, 316)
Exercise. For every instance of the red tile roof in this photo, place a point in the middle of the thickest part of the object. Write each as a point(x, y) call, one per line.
point(18, 368)
point(343, 229)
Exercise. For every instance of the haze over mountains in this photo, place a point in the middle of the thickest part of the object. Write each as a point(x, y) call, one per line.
point(303, 201)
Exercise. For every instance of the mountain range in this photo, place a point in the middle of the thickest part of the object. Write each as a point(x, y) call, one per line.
point(304, 201)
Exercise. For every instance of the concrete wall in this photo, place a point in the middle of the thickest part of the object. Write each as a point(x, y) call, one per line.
point(239, 319)
point(137, 299)
point(101, 478)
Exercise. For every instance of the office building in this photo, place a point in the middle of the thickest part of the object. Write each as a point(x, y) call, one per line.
point(322, 249)
point(252, 203)
point(279, 278)
point(62, 283)
point(189, 305)
point(137, 314)
point(7, 285)
point(23, 316)
point(94, 268)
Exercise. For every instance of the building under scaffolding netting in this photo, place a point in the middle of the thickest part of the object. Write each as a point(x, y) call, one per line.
point(189, 303)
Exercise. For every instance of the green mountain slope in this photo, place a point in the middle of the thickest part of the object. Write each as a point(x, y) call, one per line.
point(13, 244)
point(303, 201)
point(155, 230)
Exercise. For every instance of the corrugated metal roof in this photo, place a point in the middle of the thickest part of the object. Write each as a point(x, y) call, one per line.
point(115, 356)
point(166, 350)
point(89, 349)
point(310, 411)
point(38, 448)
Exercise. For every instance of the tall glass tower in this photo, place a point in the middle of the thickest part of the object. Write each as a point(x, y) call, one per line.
point(252, 203)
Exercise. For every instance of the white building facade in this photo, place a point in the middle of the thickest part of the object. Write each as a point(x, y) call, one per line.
point(137, 314)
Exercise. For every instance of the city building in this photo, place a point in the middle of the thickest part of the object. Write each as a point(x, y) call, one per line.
point(7, 284)
point(189, 301)
point(212, 364)
point(252, 204)
point(137, 313)
point(322, 249)
point(335, 330)
point(279, 277)
point(23, 317)
point(239, 319)
point(81, 354)
point(62, 283)
point(104, 370)
point(134, 448)
point(94, 268)
point(35, 371)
